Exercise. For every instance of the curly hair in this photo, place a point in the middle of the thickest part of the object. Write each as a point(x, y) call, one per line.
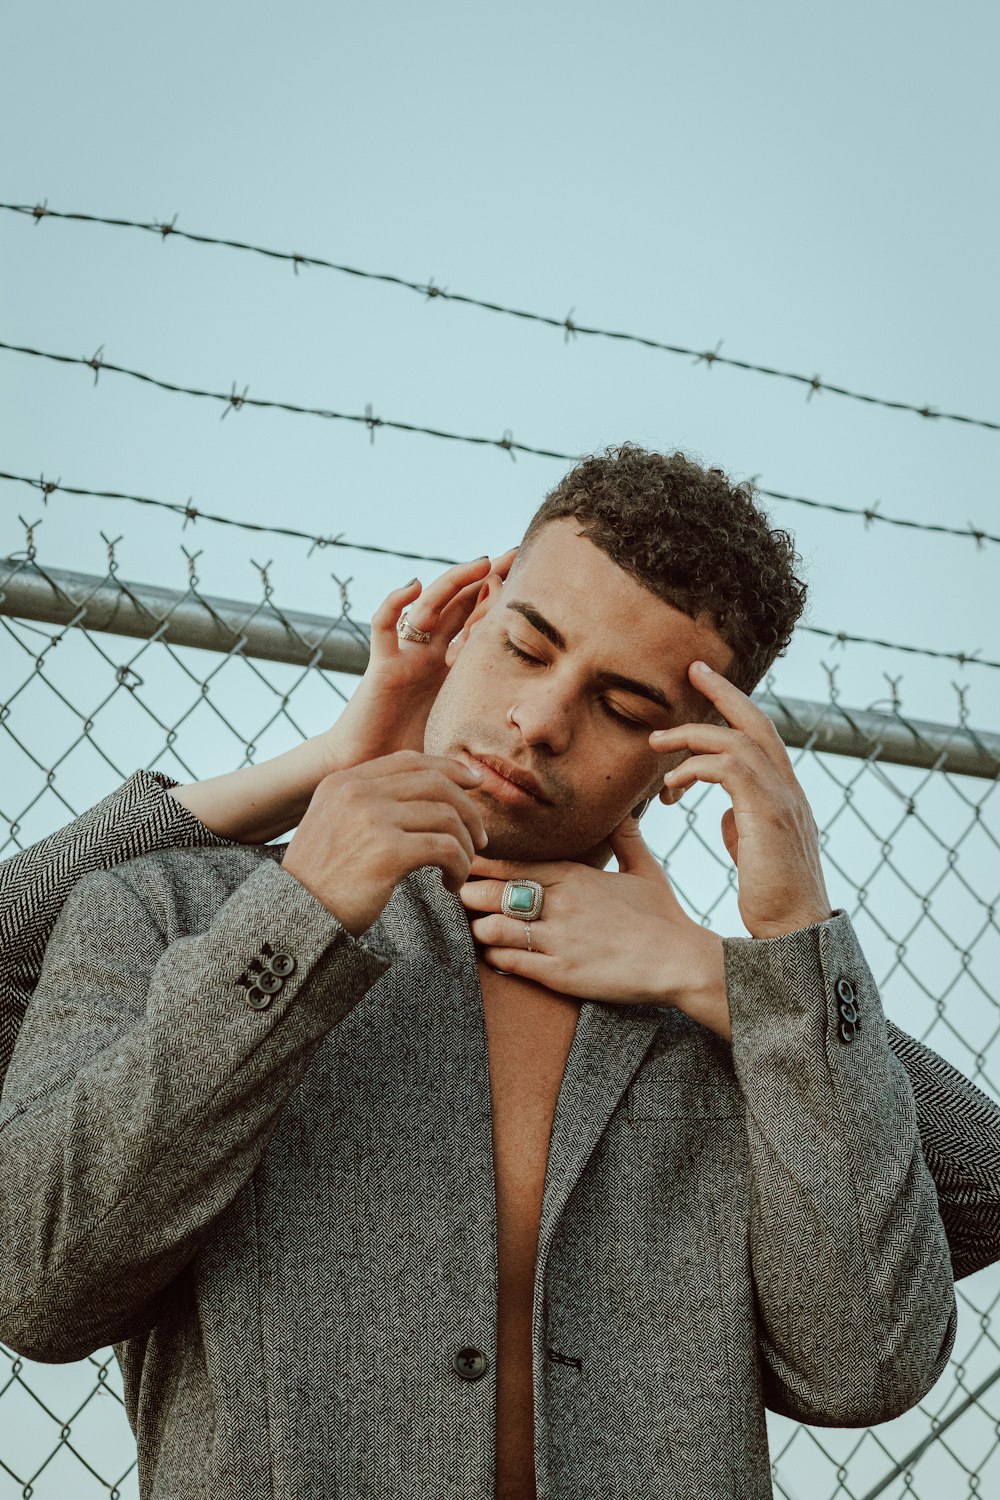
point(695, 540)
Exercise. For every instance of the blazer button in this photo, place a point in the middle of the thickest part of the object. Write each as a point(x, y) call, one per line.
point(271, 984)
point(471, 1364)
point(847, 1012)
point(847, 1030)
point(257, 998)
point(281, 964)
point(844, 991)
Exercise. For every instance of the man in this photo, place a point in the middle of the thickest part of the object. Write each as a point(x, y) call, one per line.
point(545, 1190)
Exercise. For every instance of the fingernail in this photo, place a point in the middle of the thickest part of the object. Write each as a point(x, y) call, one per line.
point(411, 583)
point(482, 840)
point(471, 771)
point(702, 666)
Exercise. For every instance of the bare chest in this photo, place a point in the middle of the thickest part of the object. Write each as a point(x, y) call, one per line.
point(529, 1031)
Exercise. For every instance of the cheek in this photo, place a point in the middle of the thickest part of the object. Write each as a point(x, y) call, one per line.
point(631, 777)
point(474, 691)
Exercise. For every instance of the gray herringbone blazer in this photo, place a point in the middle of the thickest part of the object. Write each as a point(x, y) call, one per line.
point(280, 1207)
point(959, 1126)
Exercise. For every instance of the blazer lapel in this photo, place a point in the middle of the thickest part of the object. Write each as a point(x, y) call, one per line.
point(608, 1047)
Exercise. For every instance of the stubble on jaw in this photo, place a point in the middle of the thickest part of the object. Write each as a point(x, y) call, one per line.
point(550, 833)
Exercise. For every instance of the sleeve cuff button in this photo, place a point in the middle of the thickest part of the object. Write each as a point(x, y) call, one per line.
point(257, 998)
point(281, 964)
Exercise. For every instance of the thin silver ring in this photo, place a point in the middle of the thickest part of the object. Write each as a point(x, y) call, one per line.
point(527, 934)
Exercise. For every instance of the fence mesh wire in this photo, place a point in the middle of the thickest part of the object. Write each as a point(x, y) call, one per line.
point(910, 852)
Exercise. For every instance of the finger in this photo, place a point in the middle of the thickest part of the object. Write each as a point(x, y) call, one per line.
point(437, 596)
point(458, 610)
point(633, 854)
point(442, 850)
point(431, 789)
point(496, 931)
point(482, 895)
point(432, 601)
point(513, 869)
point(599, 856)
point(711, 739)
point(502, 565)
point(413, 762)
point(386, 617)
point(435, 817)
point(731, 835)
point(739, 711)
point(728, 771)
point(540, 968)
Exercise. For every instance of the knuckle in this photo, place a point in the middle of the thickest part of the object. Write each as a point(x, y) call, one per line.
point(348, 792)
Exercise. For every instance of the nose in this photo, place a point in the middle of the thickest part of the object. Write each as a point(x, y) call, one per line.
point(543, 718)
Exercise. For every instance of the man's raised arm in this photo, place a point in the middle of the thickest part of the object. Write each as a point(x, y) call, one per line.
point(182, 998)
point(147, 1080)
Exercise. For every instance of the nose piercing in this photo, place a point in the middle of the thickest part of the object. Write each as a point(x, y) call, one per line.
point(510, 717)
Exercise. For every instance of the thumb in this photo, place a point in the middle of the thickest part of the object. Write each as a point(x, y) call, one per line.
point(630, 849)
point(731, 835)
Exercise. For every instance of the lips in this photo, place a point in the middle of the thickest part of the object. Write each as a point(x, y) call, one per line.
point(504, 773)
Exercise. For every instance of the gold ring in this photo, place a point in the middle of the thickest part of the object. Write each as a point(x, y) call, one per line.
point(408, 632)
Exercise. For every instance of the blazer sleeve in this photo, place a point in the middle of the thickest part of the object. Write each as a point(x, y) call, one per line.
point(144, 1089)
point(136, 819)
point(960, 1138)
point(848, 1252)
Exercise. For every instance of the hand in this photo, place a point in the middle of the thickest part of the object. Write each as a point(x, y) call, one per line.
point(622, 937)
point(388, 710)
point(367, 827)
point(769, 831)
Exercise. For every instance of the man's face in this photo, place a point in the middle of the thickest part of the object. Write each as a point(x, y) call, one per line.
point(554, 693)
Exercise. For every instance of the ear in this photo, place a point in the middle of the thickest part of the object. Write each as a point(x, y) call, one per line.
point(489, 595)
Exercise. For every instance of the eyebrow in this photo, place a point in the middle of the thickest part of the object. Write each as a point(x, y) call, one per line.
point(609, 679)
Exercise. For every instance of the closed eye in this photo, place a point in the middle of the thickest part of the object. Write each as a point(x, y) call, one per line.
point(629, 723)
point(612, 713)
point(521, 655)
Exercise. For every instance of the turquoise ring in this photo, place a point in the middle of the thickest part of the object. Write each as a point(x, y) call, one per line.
point(522, 899)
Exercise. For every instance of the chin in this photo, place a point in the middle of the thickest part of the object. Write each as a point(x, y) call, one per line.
point(531, 843)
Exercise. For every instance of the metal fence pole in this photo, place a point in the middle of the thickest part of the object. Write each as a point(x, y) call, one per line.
point(214, 624)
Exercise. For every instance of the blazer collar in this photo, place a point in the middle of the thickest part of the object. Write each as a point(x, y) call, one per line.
point(607, 1051)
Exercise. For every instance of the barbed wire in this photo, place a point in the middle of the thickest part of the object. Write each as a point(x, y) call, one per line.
point(871, 514)
point(192, 513)
point(428, 289)
point(841, 638)
point(234, 400)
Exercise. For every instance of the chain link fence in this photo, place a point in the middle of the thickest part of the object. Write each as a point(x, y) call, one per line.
point(99, 676)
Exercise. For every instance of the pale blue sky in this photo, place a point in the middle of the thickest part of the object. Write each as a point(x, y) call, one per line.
point(816, 186)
